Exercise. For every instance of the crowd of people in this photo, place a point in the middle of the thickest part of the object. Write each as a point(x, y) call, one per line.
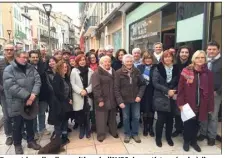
point(91, 89)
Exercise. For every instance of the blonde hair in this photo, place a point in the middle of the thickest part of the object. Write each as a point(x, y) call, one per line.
point(196, 54)
point(102, 59)
point(146, 55)
point(59, 68)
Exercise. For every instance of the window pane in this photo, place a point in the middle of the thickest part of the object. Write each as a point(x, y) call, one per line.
point(217, 9)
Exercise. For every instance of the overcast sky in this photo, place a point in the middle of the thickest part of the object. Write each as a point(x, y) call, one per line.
point(70, 9)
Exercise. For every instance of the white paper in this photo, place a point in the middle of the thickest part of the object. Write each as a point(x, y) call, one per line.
point(187, 113)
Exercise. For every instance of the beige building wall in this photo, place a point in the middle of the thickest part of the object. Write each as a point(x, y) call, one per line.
point(7, 19)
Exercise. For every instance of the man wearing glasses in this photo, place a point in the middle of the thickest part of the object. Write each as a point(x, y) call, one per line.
point(8, 58)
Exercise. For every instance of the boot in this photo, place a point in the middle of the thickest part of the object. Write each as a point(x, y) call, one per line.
point(34, 145)
point(18, 150)
point(145, 130)
point(82, 132)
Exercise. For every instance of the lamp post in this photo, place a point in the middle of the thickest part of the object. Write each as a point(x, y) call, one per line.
point(9, 33)
point(48, 8)
point(63, 31)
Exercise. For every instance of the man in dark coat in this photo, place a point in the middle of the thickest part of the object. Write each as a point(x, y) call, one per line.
point(43, 105)
point(21, 84)
point(183, 59)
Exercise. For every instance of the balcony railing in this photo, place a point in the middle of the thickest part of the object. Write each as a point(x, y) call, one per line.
point(92, 21)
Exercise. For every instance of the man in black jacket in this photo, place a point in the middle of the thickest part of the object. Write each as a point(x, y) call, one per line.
point(183, 60)
point(209, 128)
point(9, 57)
point(34, 58)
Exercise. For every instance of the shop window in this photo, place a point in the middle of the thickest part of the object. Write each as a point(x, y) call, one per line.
point(189, 9)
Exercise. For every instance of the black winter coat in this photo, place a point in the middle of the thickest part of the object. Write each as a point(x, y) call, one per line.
point(147, 100)
point(117, 65)
point(161, 102)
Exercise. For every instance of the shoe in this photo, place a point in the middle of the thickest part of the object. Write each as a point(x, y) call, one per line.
point(201, 137)
point(101, 138)
point(82, 132)
point(75, 126)
point(18, 150)
point(151, 132)
point(115, 136)
point(34, 145)
point(45, 132)
point(69, 130)
point(211, 142)
point(9, 141)
point(196, 147)
point(137, 139)
point(120, 125)
point(186, 146)
point(170, 142)
point(36, 136)
point(158, 143)
point(88, 132)
point(127, 139)
point(176, 133)
point(65, 139)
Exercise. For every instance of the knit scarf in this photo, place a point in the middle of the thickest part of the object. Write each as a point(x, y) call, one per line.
point(93, 66)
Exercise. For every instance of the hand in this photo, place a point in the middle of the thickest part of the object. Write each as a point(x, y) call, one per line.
point(181, 108)
point(122, 105)
point(32, 97)
point(101, 104)
point(70, 102)
point(215, 94)
point(29, 102)
point(210, 112)
point(83, 93)
point(171, 93)
point(138, 99)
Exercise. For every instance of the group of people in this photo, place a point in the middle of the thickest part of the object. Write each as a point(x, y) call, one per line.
point(90, 89)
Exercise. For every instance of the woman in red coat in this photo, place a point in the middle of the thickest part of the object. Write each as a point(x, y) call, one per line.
point(195, 88)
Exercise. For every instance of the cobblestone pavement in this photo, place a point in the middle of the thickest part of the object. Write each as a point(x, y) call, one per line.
point(114, 146)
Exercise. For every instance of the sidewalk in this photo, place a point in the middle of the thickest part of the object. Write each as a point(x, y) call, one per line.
point(115, 146)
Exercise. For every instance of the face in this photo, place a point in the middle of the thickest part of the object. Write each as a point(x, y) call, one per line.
point(82, 62)
point(9, 51)
point(65, 68)
point(148, 61)
point(101, 51)
point(184, 54)
point(77, 50)
point(66, 56)
point(107, 64)
point(34, 58)
point(212, 51)
point(23, 58)
point(120, 55)
point(200, 59)
point(172, 50)
point(52, 63)
point(109, 53)
point(58, 56)
point(168, 60)
point(43, 52)
point(158, 48)
point(72, 62)
point(137, 55)
point(128, 63)
point(93, 59)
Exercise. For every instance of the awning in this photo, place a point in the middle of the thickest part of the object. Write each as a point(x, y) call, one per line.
point(90, 30)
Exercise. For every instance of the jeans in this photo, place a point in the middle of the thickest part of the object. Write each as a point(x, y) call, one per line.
point(131, 110)
point(40, 126)
point(7, 121)
point(62, 128)
point(18, 123)
point(209, 127)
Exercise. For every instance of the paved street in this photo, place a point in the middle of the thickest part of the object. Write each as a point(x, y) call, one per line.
point(114, 146)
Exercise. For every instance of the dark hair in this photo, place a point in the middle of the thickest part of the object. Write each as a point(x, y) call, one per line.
point(34, 52)
point(76, 48)
point(48, 67)
point(179, 50)
point(213, 43)
point(118, 52)
point(92, 51)
point(89, 57)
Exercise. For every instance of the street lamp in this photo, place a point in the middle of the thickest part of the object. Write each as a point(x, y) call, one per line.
point(48, 8)
point(9, 33)
point(63, 31)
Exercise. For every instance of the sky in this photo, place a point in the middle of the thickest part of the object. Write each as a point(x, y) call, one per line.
point(70, 9)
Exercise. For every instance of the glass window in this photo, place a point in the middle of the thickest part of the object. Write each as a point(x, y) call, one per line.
point(217, 9)
point(189, 9)
point(146, 32)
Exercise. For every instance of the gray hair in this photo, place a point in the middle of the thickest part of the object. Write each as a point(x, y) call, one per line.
point(104, 58)
point(127, 56)
point(157, 44)
point(136, 50)
point(19, 52)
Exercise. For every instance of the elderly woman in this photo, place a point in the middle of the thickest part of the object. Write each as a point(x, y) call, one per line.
point(129, 89)
point(136, 52)
point(165, 80)
point(80, 79)
point(195, 88)
point(103, 90)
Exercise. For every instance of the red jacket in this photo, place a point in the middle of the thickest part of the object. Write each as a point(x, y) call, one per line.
point(187, 94)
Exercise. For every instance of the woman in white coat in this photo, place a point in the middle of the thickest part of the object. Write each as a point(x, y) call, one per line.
point(80, 79)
